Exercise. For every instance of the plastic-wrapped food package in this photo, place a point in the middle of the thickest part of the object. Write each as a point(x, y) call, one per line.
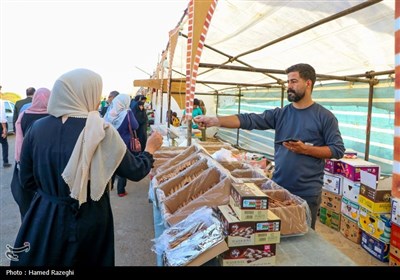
point(188, 239)
point(293, 211)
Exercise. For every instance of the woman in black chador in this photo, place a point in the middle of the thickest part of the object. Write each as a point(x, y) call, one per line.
point(68, 158)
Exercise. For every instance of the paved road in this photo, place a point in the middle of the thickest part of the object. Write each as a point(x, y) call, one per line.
point(133, 220)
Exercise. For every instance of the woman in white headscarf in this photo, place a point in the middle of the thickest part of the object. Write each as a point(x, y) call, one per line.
point(120, 116)
point(68, 158)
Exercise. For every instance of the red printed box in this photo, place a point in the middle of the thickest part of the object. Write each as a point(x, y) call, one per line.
point(395, 236)
point(352, 167)
point(393, 261)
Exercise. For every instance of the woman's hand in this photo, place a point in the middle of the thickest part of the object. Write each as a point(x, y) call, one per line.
point(154, 142)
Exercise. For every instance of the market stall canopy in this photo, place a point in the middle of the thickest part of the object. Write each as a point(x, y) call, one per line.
point(262, 38)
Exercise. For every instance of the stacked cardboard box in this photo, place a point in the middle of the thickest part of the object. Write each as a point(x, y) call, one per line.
point(374, 215)
point(349, 169)
point(329, 213)
point(252, 230)
point(394, 256)
point(351, 185)
point(339, 206)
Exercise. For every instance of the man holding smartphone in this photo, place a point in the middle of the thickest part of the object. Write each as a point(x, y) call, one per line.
point(306, 134)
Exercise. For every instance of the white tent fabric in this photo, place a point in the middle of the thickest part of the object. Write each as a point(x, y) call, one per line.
point(349, 45)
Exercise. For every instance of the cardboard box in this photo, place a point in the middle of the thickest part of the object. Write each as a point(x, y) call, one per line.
point(258, 255)
point(235, 165)
point(181, 180)
point(376, 225)
point(395, 210)
point(248, 202)
point(333, 183)
point(247, 173)
point(350, 209)
point(352, 167)
point(350, 229)
point(351, 190)
point(209, 254)
point(329, 218)
point(394, 251)
point(331, 201)
point(291, 210)
point(395, 236)
point(179, 158)
point(333, 166)
point(374, 247)
point(241, 233)
point(393, 261)
point(210, 188)
point(376, 191)
point(378, 195)
point(375, 207)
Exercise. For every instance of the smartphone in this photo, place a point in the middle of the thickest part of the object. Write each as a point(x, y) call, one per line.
point(279, 142)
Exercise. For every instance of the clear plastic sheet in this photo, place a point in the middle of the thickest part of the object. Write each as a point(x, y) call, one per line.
point(188, 239)
point(293, 211)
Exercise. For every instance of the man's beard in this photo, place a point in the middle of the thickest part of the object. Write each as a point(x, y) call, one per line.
point(294, 96)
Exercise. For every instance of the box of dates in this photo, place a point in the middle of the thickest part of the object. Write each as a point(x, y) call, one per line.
point(248, 202)
point(240, 233)
point(257, 255)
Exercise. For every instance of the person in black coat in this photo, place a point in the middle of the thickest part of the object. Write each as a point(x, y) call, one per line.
point(68, 158)
point(142, 119)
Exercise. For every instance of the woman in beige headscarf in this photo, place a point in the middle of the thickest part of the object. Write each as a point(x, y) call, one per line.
point(69, 158)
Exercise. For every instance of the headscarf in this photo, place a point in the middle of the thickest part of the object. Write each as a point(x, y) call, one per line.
point(39, 106)
point(99, 148)
point(118, 109)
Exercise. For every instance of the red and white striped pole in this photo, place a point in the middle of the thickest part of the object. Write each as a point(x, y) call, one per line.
point(396, 151)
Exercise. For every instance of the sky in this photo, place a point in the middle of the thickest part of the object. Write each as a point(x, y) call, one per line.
point(120, 40)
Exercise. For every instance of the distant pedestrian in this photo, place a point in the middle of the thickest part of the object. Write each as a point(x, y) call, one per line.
point(18, 105)
point(110, 98)
point(3, 133)
point(38, 110)
point(121, 117)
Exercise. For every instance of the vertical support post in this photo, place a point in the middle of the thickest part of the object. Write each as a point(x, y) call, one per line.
point(240, 101)
point(369, 114)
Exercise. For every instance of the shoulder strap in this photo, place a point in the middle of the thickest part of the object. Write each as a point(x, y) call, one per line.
point(129, 124)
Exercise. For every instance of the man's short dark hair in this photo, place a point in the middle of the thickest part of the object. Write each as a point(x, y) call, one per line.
point(306, 72)
point(113, 93)
point(30, 91)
